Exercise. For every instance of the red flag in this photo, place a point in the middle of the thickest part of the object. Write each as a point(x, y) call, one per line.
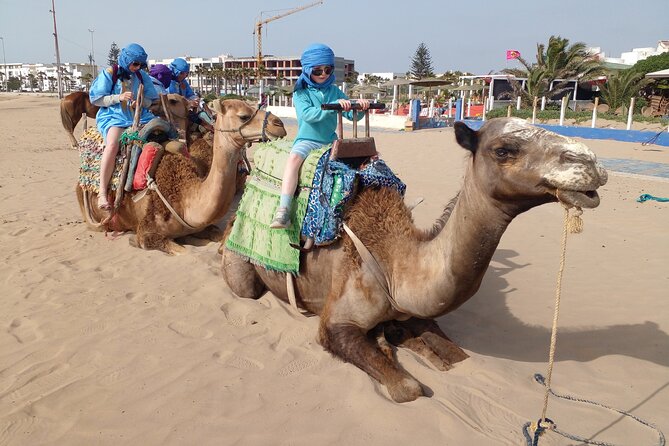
point(512, 54)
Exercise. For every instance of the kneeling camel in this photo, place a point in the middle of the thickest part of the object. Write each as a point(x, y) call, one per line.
point(513, 167)
point(199, 201)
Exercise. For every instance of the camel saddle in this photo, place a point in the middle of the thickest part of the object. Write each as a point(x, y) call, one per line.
point(325, 186)
point(91, 147)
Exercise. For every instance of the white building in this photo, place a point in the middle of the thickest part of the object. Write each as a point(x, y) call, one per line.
point(44, 77)
point(631, 57)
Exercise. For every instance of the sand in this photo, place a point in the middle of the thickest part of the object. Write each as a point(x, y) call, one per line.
point(102, 343)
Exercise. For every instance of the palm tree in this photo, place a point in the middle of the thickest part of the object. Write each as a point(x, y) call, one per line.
point(620, 87)
point(557, 61)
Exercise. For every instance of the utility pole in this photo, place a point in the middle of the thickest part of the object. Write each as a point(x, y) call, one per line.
point(93, 67)
point(55, 36)
point(4, 61)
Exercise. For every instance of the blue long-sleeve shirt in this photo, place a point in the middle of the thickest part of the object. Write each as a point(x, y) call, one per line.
point(182, 88)
point(112, 112)
point(314, 124)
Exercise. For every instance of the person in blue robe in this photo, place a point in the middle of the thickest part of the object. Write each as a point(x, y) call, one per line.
point(115, 91)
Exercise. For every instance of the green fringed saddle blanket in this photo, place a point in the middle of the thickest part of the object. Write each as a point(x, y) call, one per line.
point(251, 236)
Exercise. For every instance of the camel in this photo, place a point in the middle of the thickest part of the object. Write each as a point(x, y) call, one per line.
point(513, 167)
point(200, 202)
point(74, 105)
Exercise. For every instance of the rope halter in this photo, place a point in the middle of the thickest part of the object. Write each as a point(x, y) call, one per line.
point(250, 138)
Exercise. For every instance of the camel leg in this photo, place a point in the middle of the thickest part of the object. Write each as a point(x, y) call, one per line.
point(351, 344)
point(73, 140)
point(211, 232)
point(240, 275)
point(424, 337)
point(153, 240)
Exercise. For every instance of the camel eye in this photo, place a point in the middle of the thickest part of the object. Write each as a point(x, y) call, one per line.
point(245, 118)
point(502, 153)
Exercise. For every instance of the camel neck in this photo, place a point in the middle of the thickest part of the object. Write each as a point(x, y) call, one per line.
point(212, 196)
point(452, 265)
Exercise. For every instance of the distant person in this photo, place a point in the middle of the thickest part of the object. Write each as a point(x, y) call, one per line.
point(179, 85)
point(114, 91)
point(315, 127)
point(161, 76)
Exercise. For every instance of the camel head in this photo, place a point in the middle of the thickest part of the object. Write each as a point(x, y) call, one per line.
point(245, 123)
point(524, 166)
point(178, 108)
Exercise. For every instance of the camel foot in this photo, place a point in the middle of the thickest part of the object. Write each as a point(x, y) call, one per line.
point(159, 243)
point(406, 390)
point(425, 338)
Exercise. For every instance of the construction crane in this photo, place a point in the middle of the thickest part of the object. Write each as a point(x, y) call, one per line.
point(259, 24)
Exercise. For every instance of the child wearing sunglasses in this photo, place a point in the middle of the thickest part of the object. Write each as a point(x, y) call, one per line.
point(315, 127)
point(114, 91)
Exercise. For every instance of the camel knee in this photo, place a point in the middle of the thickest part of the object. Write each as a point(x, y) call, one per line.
point(240, 276)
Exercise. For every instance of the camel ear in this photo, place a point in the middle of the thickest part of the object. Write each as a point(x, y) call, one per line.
point(217, 105)
point(466, 137)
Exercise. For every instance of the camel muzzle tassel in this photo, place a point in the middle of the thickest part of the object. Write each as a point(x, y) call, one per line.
point(574, 221)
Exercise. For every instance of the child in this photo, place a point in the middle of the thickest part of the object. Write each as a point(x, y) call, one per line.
point(179, 85)
point(115, 98)
point(316, 127)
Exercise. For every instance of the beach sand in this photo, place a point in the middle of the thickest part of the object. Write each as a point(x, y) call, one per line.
point(102, 343)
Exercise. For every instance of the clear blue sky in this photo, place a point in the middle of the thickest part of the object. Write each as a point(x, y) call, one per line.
point(380, 35)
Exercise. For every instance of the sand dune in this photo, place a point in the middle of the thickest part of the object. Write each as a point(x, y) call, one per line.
point(102, 343)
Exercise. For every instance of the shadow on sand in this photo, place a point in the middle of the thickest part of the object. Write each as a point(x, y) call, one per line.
point(485, 326)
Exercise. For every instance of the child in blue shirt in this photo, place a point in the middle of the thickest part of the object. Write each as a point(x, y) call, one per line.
point(316, 127)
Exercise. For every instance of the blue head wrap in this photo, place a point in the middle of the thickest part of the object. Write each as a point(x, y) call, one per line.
point(179, 66)
point(128, 55)
point(315, 55)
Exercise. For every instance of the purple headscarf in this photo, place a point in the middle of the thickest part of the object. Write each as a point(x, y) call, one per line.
point(162, 73)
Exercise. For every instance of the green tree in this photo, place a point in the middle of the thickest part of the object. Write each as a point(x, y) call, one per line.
point(114, 51)
point(621, 86)
point(557, 61)
point(352, 77)
point(421, 63)
point(14, 83)
point(371, 79)
point(87, 79)
point(652, 63)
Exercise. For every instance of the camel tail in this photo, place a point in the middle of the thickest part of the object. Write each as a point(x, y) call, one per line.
point(68, 123)
point(65, 118)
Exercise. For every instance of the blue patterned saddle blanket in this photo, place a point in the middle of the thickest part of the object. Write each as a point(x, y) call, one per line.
point(334, 186)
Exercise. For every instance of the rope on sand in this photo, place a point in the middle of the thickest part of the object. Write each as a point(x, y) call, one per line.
point(646, 197)
point(532, 431)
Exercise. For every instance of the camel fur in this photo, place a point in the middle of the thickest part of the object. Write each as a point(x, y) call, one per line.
point(200, 202)
point(513, 167)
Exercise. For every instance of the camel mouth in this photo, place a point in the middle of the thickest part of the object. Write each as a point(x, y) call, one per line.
point(581, 199)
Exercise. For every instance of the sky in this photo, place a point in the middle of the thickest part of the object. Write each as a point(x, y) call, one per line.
point(379, 35)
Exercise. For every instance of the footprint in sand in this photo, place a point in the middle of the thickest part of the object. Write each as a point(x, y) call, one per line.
point(24, 330)
point(238, 362)
point(233, 319)
point(297, 366)
point(19, 232)
point(93, 328)
point(190, 331)
point(135, 296)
